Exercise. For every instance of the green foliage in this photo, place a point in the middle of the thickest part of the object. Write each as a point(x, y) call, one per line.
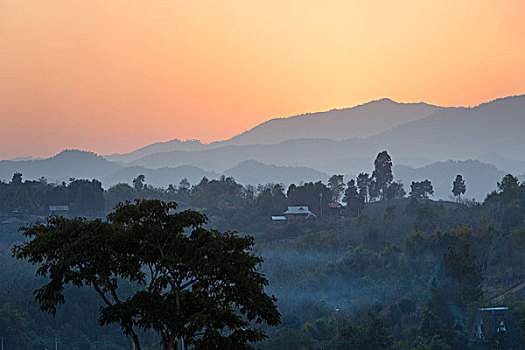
point(458, 187)
point(385, 259)
point(354, 201)
point(138, 182)
point(315, 195)
point(86, 197)
point(363, 181)
point(383, 172)
point(395, 191)
point(436, 343)
point(15, 329)
point(336, 186)
point(421, 190)
point(454, 295)
point(203, 286)
point(370, 334)
point(508, 185)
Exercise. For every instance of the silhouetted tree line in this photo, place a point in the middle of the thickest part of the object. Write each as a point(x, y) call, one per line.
point(88, 198)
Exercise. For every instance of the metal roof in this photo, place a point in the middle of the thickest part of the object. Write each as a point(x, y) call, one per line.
point(303, 209)
point(278, 218)
point(299, 210)
point(335, 205)
point(58, 208)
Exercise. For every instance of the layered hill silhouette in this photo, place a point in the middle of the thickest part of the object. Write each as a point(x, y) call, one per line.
point(87, 165)
point(63, 166)
point(447, 133)
point(309, 147)
point(338, 124)
point(491, 128)
point(480, 178)
point(253, 173)
point(162, 177)
point(172, 145)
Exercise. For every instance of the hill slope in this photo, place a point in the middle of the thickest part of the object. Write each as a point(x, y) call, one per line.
point(480, 178)
point(338, 124)
point(61, 167)
point(172, 145)
point(161, 177)
point(494, 127)
point(254, 173)
point(458, 133)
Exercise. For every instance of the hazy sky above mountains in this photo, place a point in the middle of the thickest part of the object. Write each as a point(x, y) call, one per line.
point(111, 76)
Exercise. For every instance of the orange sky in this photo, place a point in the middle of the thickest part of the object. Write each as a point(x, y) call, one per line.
point(111, 76)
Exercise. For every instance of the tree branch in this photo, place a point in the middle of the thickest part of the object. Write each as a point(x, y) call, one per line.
point(101, 293)
point(187, 284)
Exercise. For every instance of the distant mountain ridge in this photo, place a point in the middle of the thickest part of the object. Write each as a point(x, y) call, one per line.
point(492, 132)
point(162, 177)
point(61, 167)
point(480, 178)
point(87, 165)
point(460, 133)
point(175, 144)
point(254, 173)
point(337, 124)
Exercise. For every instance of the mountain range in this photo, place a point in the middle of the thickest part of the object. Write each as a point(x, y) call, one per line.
point(431, 134)
point(480, 177)
point(338, 124)
point(421, 139)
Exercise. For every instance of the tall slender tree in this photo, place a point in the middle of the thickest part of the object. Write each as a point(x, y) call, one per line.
point(354, 201)
point(363, 184)
point(383, 172)
point(458, 187)
point(336, 186)
point(138, 182)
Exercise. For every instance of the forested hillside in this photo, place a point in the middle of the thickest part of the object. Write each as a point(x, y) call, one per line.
point(391, 270)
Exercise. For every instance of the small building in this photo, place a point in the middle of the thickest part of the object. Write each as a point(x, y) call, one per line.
point(58, 209)
point(278, 220)
point(494, 329)
point(299, 214)
point(336, 210)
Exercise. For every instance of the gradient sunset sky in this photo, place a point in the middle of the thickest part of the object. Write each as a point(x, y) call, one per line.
point(111, 76)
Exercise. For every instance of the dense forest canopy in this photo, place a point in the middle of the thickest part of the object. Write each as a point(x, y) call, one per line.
point(387, 271)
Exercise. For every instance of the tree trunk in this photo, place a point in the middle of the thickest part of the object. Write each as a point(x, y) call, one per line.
point(135, 339)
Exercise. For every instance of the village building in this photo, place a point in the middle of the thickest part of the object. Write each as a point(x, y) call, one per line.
point(299, 214)
point(278, 220)
point(494, 329)
point(336, 210)
point(59, 210)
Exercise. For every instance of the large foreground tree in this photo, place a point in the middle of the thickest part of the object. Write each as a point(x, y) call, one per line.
point(199, 286)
